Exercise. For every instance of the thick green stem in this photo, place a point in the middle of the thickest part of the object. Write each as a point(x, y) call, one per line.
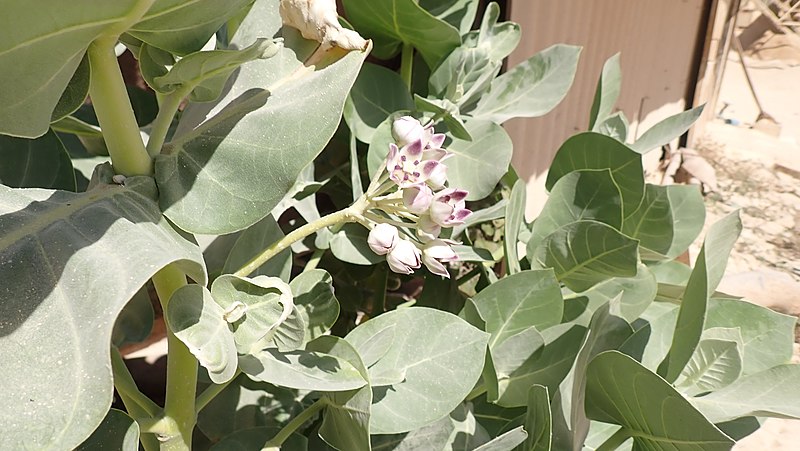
point(114, 111)
point(166, 112)
point(296, 422)
point(126, 386)
point(407, 64)
point(351, 214)
point(181, 369)
point(614, 441)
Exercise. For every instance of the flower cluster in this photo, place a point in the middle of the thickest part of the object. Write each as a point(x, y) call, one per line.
point(415, 202)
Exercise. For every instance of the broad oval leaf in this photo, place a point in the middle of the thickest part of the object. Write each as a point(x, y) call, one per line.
point(585, 253)
point(377, 93)
point(65, 388)
point(349, 245)
point(441, 356)
point(478, 165)
point(629, 297)
point(275, 119)
point(391, 23)
point(199, 323)
point(531, 88)
point(304, 370)
point(36, 163)
point(716, 362)
point(620, 390)
point(260, 312)
point(315, 302)
point(591, 150)
point(252, 242)
point(117, 431)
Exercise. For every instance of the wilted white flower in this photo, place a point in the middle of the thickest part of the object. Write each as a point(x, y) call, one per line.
point(383, 238)
point(448, 207)
point(417, 198)
point(319, 21)
point(436, 252)
point(404, 258)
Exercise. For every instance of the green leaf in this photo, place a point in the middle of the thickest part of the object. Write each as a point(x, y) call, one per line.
point(615, 126)
point(345, 423)
point(515, 217)
point(769, 393)
point(65, 387)
point(75, 126)
point(538, 421)
point(304, 370)
point(500, 39)
point(471, 253)
point(153, 63)
point(621, 391)
point(531, 88)
point(75, 93)
point(260, 312)
point(448, 111)
point(441, 356)
point(582, 194)
point(591, 150)
point(667, 130)
point(36, 163)
point(767, 336)
point(518, 302)
point(716, 363)
point(349, 245)
point(135, 321)
point(252, 242)
point(505, 442)
point(585, 253)
point(667, 221)
point(629, 296)
point(707, 273)
point(478, 165)
point(607, 93)
point(391, 23)
point(54, 44)
point(315, 301)
point(274, 120)
point(184, 27)
point(117, 431)
point(255, 438)
point(199, 323)
point(458, 13)
point(458, 431)
point(206, 72)
point(377, 93)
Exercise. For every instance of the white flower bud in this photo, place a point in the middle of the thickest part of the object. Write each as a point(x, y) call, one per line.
point(417, 198)
point(435, 253)
point(427, 230)
point(404, 258)
point(406, 130)
point(383, 238)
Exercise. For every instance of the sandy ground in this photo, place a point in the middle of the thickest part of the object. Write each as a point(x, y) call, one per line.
point(759, 174)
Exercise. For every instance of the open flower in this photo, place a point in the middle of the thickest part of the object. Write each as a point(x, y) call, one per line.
point(417, 198)
point(406, 130)
point(436, 252)
point(406, 165)
point(383, 238)
point(404, 258)
point(448, 207)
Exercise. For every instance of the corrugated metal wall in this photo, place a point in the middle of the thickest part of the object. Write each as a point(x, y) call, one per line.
point(659, 41)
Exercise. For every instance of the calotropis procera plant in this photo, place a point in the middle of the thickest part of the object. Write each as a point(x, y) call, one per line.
point(231, 193)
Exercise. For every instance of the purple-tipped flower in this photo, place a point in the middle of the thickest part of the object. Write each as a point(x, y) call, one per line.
point(404, 258)
point(383, 238)
point(427, 230)
point(436, 252)
point(406, 165)
point(448, 207)
point(417, 198)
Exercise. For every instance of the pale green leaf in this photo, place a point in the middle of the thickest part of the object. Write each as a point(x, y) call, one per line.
point(135, 321)
point(607, 93)
point(377, 93)
point(458, 13)
point(621, 391)
point(500, 39)
point(117, 431)
point(538, 421)
point(441, 355)
point(36, 163)
point(505, 442)
point(252, 242)
point(531, 88)
point(70, 262)
point(449, 113)
point(229, 172)
point(769, 393)
point(629, 296)
point(478, 165)
point(349, 245)
point(707, 273)
point(255, 437)
point(458, 431)
point(391, 23)
point(716, 363)
point(585, 253)
point(667, 130)
point(315, 302)
point(515, 217)
point(75, 93)
point(615, 126)
point(199, 323)
point(304, 370)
